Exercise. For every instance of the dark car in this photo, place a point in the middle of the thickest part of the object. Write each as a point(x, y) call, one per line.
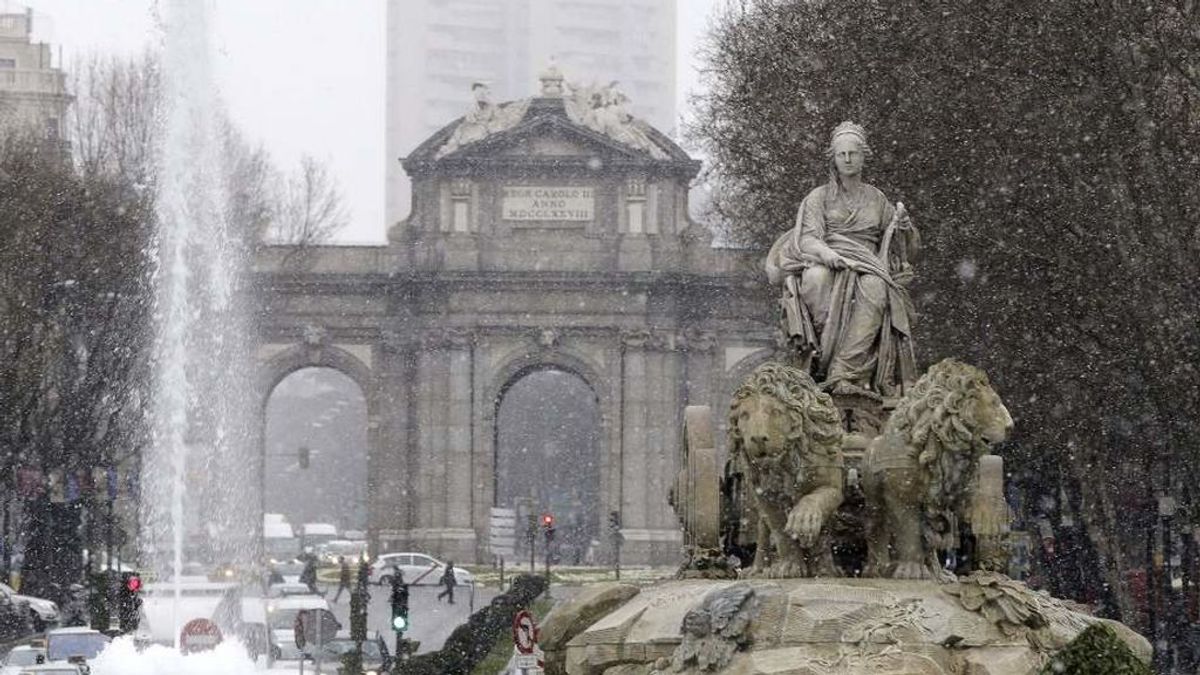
point(14, 619)
point(375, 656)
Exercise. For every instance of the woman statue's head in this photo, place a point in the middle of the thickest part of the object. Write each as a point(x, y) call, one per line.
point(848, 151)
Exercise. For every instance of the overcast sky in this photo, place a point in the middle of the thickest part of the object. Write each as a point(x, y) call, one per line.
point(298, 76)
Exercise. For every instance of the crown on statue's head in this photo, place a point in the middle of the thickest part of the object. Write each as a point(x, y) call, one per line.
point(849, 128)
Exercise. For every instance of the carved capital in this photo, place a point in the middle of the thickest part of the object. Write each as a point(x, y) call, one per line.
point(314, 337)
point(548, 338)
point(395, 340)
point(697, 340)
point(443, 338)
point(636, 338)
point(644, 338)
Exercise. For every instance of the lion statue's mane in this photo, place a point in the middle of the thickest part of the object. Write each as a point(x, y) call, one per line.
point(807, 473)
point(816, 423)
point(925, 461)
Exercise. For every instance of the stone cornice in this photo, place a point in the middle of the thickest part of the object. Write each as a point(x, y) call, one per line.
point(319, 283)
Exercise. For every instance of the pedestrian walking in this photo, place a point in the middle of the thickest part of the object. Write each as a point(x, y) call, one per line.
point(449, 581)
point(343, 578)
point(308, 576)
point(399, 597)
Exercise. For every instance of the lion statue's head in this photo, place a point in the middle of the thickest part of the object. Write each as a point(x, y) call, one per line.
point(779, 412)
point(948, 419)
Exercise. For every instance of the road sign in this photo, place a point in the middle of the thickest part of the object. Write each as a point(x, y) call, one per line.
point(199, 635)
point(315, 626)
point(502, 532)
point(524, 632)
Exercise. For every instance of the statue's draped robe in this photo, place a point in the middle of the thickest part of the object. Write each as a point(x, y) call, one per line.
point(876, 347)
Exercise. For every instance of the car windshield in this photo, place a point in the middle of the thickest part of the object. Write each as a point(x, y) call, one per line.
point(281, 548)
point(23, 657)
point(63, 647)
point(370, 649)
point(283, 618)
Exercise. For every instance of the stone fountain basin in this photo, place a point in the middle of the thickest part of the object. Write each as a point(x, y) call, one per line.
point(814, 627)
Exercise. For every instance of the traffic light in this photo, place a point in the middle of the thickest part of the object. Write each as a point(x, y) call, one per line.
point(399, 606)
point(548, 527)
point(129, 601)
point(303, 457)
point(614, 521)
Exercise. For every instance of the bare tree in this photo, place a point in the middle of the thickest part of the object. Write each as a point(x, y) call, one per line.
point(310, 206)
point(1051, 167)
point(114, 120)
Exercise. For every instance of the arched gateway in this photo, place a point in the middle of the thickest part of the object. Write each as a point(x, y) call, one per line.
point(548, 233)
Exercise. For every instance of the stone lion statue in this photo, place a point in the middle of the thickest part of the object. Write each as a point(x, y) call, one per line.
point(787, 436)
point(919, 473)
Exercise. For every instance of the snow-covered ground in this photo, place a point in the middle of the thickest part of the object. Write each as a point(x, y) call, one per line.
point(122, 658)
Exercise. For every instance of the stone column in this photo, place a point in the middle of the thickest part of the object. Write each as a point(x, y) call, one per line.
point(444, 427)
point(650, 408)
point(392, 464)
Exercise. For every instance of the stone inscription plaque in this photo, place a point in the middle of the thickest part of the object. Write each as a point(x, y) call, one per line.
point(548, 203)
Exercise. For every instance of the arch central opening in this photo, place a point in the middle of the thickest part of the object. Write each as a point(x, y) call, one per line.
point(315, 469)
point(548, 457)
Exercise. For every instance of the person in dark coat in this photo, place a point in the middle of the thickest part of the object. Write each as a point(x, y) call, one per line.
point(399, 598)
point(449, 581)
point(343, 578)
point(308, 576)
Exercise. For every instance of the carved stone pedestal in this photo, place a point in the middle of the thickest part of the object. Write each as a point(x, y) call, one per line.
point(985, 624)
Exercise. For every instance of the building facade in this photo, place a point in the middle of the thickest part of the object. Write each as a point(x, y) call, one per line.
point(437, 48)
point(33, 91)
point(547, 233)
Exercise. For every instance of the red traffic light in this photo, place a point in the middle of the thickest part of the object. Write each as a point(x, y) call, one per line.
point(134, 584)
point(547, 520)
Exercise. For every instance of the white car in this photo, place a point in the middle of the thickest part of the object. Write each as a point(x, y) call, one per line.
point(21, 657)
point(71, 644)
point(332, 552)
point(44, 613)
point(51, 669)
point(281, 619)
point(418, 569)
point(288, 589)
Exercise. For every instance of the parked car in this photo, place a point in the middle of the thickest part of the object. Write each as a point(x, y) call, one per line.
point(314, 534)
point(52, 669)
point(254, 632)
point(375, 656)
point(67, 644)
point(44, 613)
point(331, 552)
point(14, 618)
point(418, 569)
point(281, 617)
point(288, 589)
point(20, 657)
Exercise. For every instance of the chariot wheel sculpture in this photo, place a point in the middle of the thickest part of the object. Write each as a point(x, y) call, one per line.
point(696, 495)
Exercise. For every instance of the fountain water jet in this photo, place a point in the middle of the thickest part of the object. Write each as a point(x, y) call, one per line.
point(197, 473)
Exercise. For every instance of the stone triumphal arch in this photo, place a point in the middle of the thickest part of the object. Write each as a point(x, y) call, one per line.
point(546, 233)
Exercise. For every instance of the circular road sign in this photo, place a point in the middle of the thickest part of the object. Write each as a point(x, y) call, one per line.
point(199, 635)
point(524, 632)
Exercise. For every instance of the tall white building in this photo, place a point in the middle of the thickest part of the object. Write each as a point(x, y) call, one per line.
point(33, 92)
point(438, 48)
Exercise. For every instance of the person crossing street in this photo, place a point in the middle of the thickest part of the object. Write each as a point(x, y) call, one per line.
point(343, 578)
point(449, 581)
